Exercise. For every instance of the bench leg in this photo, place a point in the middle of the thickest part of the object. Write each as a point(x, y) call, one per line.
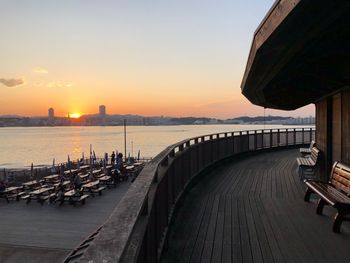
point(308, 193)
point(300, 172)
point(338, 219)
point(320, 205)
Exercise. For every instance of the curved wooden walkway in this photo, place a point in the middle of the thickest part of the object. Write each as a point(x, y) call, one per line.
point(253, 211)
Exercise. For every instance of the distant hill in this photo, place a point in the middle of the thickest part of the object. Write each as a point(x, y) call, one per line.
point(189, 120)
point(261, 118)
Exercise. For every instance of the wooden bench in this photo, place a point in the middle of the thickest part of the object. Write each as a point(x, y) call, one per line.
point(334, 193)
point(308, 165)
point(307, 151)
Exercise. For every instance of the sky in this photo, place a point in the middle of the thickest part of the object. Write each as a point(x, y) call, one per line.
point(154, 57)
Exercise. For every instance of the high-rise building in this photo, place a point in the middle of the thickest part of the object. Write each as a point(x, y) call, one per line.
point(51, 113)
point(102, 110)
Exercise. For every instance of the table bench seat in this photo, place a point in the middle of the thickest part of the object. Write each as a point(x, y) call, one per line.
point(98, 190)
point(82, 199)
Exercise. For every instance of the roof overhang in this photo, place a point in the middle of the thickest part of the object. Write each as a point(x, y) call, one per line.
point(300, 53)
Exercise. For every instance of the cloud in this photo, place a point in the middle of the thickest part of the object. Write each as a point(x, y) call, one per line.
point(12, 82)
point(58, 84)
point(39, 70)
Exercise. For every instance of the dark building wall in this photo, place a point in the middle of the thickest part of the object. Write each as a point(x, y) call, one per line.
point(323, 108)
point(333, 130)
point(345, 126)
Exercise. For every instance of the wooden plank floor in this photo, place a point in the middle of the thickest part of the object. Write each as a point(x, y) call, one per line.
point(253, 211)
point(47, 233)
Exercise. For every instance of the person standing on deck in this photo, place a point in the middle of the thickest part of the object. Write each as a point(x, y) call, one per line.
point(77, 182)
point(112, 158)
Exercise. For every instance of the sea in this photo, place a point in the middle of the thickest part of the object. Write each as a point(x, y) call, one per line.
point(22, 146)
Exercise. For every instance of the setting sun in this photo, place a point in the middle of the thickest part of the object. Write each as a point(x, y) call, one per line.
point(74, 115)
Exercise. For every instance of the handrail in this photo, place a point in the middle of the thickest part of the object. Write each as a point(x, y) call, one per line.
point(138, 227)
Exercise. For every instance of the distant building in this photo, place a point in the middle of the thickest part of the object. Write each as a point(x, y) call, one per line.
point(102, 110)
point(51, 114)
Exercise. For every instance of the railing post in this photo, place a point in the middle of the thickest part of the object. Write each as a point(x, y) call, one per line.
point(295, 137)
point(287, 143)
point(233, 142)
point(278, 137)
point(240, 142)
point(270, 138)
point(181, 147)
point(255, 141)
point(311, 135)
point(302, 135)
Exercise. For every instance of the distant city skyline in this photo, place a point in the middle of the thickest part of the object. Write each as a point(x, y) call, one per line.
point(173, 58)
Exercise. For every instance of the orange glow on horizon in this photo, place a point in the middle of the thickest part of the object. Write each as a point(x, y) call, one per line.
point(74, 115)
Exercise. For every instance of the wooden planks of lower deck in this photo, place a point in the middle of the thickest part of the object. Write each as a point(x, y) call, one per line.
point(253, 211)
point(47, 233)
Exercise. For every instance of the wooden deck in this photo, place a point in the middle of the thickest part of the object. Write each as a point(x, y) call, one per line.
point(253, 211)
point(35, 233)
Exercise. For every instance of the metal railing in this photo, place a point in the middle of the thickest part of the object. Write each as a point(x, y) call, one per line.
point(137, 229)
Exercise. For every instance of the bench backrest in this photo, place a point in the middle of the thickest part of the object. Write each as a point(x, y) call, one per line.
point(314, 154)
point(340, 177)
point(312, 144)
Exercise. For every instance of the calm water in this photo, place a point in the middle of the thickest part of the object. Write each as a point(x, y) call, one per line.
point(19, 147)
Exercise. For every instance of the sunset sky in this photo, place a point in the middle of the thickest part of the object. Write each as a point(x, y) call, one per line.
point(154, 57)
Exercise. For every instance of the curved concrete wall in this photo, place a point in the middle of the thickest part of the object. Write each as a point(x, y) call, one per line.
point(137, 229)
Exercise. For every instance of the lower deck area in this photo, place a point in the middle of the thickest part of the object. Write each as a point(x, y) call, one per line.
point(49, 232)
point(252, 210)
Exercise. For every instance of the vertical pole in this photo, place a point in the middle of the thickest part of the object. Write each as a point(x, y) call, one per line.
point(132, 149)
point(124, 139)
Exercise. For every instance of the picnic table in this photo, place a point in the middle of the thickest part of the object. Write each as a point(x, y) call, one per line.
point(104, 179)
point(91, 184)
point(72, 171)
point(96, 171)
point(31, 184)
point(94, 187)
point(41, 194)
point(130, 170)
point(64, 183)
point(50, 178)
point(74, 196)
point(13, 189)
point(13, 192)
point(84, 177)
